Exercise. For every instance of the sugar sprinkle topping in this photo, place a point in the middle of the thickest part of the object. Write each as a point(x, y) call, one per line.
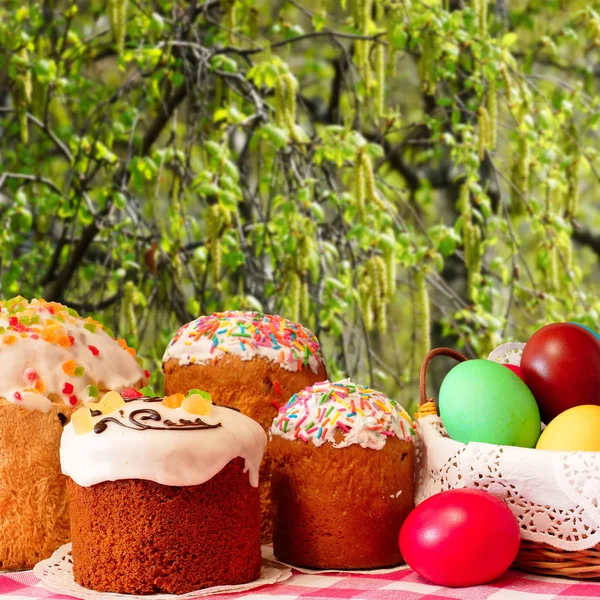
point(246, 334)
point(362, 416)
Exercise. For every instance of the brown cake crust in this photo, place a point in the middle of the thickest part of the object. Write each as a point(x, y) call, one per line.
point(140, 537)
point(339, 508)
point(34, 515)
point(250, 386)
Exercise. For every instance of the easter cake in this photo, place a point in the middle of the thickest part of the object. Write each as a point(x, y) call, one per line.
point(163, 494)
point(249, 360)
point(51, 360)
point(342, 477)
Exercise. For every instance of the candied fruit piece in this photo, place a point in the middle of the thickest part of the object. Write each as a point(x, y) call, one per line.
point(131, 393)
point(110, 402)
point(82, 421)
point(199, 392)
point(69, 367)
point(173, 401)
point(197, 405)
point(92, 391)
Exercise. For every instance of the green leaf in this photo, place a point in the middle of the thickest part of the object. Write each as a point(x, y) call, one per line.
point(509, 39)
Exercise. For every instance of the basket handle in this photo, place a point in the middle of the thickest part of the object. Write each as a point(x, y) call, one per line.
point(423, 375)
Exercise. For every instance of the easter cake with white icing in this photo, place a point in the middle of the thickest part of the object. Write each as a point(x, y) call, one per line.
point(51, 360)
point(342, 477)
point(157, 488)
point(249, 360)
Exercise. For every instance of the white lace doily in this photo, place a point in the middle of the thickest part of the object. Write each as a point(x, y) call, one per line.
point(508, 354)
point(271, 556)
point(554, 495)
point(56, 575)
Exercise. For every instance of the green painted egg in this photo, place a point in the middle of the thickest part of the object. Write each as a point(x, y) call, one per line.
point(483, 401)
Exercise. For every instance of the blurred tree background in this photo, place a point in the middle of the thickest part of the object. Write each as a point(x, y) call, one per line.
point(395, 174)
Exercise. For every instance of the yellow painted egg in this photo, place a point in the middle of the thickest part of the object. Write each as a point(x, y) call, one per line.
point(576, 429)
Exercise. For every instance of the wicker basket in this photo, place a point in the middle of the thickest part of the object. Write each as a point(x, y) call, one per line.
point(534, 557)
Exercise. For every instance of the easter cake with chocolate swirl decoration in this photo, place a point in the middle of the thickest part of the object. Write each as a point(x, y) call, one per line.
point(342, 477)
point(51, 360)
point(248, 360)
point(163, 494)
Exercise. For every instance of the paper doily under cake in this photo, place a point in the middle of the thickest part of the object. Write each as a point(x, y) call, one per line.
point(56, 574)
point(268, 554)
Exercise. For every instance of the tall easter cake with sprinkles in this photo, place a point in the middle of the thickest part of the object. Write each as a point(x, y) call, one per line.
point(342, 477)
point(163, 493)
point(51, 360)
point(249, 360)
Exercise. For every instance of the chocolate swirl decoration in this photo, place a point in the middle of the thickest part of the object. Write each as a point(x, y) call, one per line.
point(138, 419)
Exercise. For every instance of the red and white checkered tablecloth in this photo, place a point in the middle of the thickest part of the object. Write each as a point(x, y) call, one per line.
point(401, 585)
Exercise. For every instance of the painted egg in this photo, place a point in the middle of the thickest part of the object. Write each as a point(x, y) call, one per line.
point(460, 538)
point(483, 401)
point(594, 333)
point(576, 429)
point(561, 366)
point(515, 369)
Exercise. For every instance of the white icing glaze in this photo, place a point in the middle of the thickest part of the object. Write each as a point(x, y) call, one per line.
point(170, 457)
point(325, 410)
point(30, 355)
point(246, 334)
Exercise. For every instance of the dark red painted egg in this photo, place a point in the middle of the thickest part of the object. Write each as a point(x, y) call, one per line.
point(460, 538)
point(515, 369)
point(561, 366)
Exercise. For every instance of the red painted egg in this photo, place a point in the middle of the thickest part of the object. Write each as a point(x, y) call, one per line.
point(515, 369)
point(460, 538)
point(561, 366)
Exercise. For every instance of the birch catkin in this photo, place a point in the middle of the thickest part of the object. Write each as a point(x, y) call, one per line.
point(117, 16)
point(572, 194)
point(380, 79)
point(389, 258)
point(304, 300)
point(492, 109)
point(360, 190)
point(553, 268)
point(508, 85)
point(423, 310)
point(521, 169)
point(369, 176)
point(295, 292)
point(217, 218)
point(483, 130)
point(285, 103)
point(21, 90)
point(481, 10)
point(229, 20)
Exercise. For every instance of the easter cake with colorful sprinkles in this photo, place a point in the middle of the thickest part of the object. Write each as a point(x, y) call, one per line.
point(342, 477)
point(163, 493)
point(51, 360)
point(249, 360)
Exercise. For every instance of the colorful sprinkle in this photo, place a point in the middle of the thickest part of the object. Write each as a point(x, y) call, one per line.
point(247, 333)
point(362, 415)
